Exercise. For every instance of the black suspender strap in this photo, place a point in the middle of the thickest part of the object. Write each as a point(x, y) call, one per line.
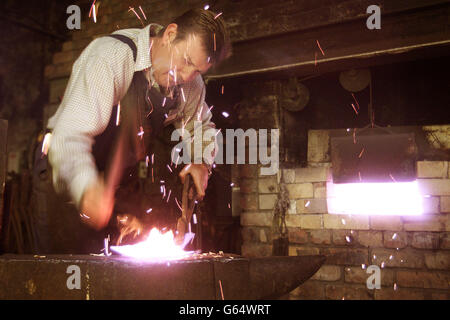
point(127, 41)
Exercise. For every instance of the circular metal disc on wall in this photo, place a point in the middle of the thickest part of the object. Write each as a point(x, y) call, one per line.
point(355, 80)
point(299, 100)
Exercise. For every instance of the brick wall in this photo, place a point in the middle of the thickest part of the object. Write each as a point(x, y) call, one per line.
point(413, 253)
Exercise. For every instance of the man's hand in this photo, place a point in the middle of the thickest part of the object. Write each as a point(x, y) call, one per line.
point(199, 173)
point(97, 205)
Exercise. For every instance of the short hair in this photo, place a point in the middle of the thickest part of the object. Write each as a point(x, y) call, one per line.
point(210, 27)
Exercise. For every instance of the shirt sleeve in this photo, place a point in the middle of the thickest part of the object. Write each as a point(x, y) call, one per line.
point(84, 113)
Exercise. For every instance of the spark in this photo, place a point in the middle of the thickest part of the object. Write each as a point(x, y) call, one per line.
point(348, 129)
point(200, 113)
point(132, 9)
point(153, 158)
point(222, 89)
point(348, 239)
point(164, 102)
point(221, 290)
point(391, 257)
point(354, 108)
point(141, 132)
point(182, 92)
point(343, 221)
point(178, 204)
point(84, 216)
point(90, 11)
point(149, 210)
point(206, 7)
point(209, 58)
point(390, 175)
point(94, 15)
point(46, 143)
point(395, 286)
point(170, 169)
point(354, 135)
point(394, 236)
point(318, 44)
point(359, 174)
point(142, 12)
point(374, 257)
point(118, 114)
point(218, 15)
point(361, 153)
point(232, 184)
point(214, 42)
point(194, 217)
point(307, 203)
point(356, 101)
point(147, 161)
point(229, 206)
point(363, 266)
point(382, 265)
point(168, 197)
point(225, 114)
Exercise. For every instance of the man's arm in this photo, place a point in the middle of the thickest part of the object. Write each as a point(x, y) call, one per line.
point(84, 113)
point(197, 113)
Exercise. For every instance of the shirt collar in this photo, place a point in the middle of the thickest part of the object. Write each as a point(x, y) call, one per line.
point(143, 57)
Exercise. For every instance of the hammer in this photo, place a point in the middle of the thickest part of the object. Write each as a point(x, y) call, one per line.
point(189, 198)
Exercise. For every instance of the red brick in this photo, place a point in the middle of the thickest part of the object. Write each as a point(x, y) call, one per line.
point(320, 236)
point(395, 239)
point(424, 223)
point(256, 250)
point(360, 275)
point(343, 237)
point(423, 279)
point(303, 251)
point(373, 239)
point(345, 256)
point(347, 292)
point(249, 171)
point(406, 258)
point(249, 202)
point(393, 223)
point(445, 240)
point(425, 240)
point(297, 235)
point(249, 185)
point(438, 260)
point(310, 290)
point(328, 273)
point(399, 294)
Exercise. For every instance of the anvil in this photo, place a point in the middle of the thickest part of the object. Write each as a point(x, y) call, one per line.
point(115, 277)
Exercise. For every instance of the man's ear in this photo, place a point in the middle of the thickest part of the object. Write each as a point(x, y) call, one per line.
point(170, 33)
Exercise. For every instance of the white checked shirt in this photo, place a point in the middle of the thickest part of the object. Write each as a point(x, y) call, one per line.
point(100, 78)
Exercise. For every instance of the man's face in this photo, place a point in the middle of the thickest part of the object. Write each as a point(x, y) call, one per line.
point(178, 62)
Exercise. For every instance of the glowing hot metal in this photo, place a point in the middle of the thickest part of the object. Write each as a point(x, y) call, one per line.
point(157, 246)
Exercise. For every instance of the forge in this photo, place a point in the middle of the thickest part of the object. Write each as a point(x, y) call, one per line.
point(199, 277)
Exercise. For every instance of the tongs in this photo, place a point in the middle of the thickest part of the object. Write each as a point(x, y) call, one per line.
point(189, 199)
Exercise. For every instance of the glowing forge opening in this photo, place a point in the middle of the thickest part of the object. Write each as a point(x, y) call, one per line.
point(387, 198)
point(157, 246)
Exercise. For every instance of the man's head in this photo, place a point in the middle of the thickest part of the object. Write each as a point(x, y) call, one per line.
point(189, 46)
